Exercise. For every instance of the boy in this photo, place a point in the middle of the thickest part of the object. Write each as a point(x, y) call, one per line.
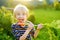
point(23, 29)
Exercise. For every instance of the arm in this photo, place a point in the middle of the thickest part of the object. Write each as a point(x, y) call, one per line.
point(13, 29)
point(36, 33)
point(23, 37)
point(37, 30)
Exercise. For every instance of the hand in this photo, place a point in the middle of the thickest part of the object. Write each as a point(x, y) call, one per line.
point(22, 38)
point(30, 25)
point(21, 24)
point(40, 26)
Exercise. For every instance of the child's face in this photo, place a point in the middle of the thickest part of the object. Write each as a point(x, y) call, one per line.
point(21, 15)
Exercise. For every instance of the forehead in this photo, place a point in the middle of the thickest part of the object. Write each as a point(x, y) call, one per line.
point(20, 11)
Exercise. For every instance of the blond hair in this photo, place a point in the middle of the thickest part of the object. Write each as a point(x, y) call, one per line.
point(20, 7)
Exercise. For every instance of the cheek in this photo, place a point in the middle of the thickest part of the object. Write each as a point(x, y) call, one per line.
point(17, 17)
point(25, 17)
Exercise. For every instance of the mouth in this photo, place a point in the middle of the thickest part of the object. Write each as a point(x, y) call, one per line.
point(21, 20)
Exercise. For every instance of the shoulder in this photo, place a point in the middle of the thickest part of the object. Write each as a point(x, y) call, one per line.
point(13, 25)
point(29, 22)
point(33, 24)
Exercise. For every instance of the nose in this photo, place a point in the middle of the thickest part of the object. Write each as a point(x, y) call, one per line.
point(21, 16)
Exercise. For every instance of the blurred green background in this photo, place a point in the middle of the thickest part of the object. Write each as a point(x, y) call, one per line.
point(41, 11)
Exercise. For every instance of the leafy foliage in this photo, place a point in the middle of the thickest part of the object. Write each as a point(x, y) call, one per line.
point(50, 31)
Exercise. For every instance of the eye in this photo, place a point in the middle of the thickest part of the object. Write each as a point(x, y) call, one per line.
point(23, 14)
point(18, 13)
